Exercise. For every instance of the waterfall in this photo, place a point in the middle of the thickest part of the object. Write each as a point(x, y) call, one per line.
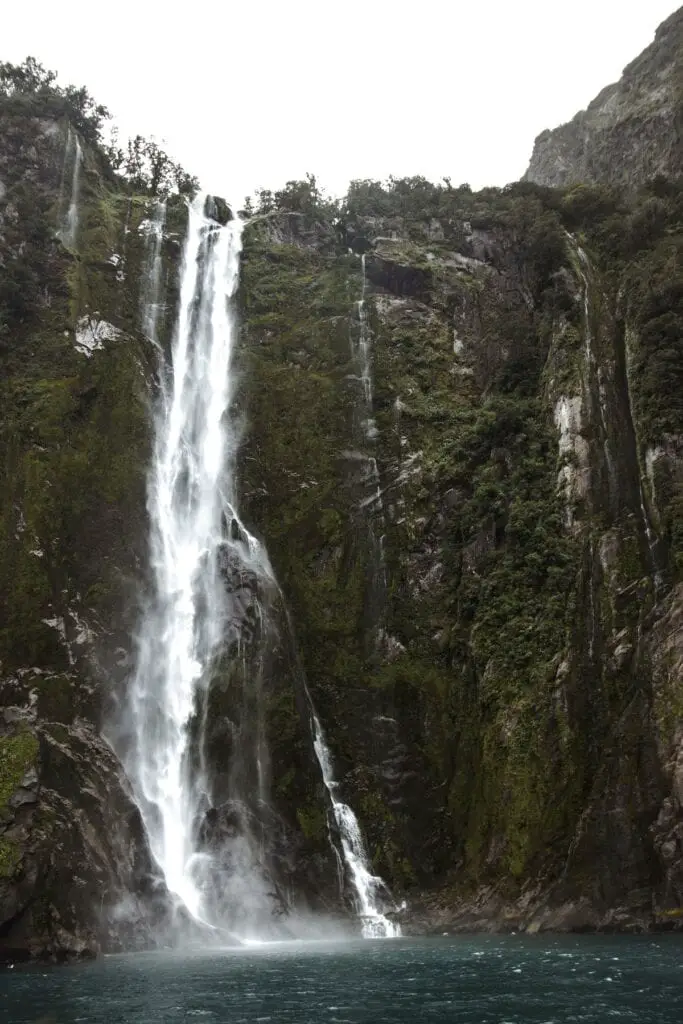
point(371, 895)
point(361, 354)
point(69, 228)
point(368, 424)
point(190, 499)
point(208, 618)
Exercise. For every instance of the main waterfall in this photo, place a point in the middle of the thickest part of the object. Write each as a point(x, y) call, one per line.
point(194, 744)
point(190, 496)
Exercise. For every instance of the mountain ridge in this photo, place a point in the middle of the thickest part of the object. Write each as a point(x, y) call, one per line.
point(631, 132)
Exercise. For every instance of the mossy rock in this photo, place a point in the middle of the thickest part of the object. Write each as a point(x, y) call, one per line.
point(18, 753)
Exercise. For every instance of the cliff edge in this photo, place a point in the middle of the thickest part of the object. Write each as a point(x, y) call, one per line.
point(631, 132)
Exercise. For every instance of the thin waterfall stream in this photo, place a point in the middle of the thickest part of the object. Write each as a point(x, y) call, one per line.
point(68, 231)
point(367, 434)
point(371, 895)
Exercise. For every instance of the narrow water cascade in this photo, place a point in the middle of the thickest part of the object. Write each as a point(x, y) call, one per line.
point(361, 351)
point(368, 423)
point(372, 898)
point(68, 231)
point(150, 292)
point(371, 503)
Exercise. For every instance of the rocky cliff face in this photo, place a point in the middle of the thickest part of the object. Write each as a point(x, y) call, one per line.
point(485, 585)
point(631, 132)
point(463, 448)
point(76, 373)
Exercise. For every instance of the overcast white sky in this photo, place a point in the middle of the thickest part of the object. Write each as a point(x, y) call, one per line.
point(250, 93)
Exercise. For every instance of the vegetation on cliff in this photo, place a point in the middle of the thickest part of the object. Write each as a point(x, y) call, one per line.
point(30, 90)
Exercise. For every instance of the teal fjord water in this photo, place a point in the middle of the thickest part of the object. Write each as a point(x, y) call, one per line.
point(464, 980)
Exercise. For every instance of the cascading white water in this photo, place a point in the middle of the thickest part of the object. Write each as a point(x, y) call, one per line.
point(361, 353)
point(69, 229)
point(368, 424)
point(183, 630)
point(189, 492)
point(371, 895)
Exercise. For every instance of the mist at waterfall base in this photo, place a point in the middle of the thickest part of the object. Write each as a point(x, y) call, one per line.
point(212, 842)
point(469, 980)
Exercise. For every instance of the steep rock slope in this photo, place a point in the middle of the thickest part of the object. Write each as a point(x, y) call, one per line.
point(484, 585)
point(631, 132)
point(76, 372)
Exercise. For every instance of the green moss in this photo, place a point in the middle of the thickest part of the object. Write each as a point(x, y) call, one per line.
point(485, 636)
point(56, 698)
point(10, 858)
point(312, 822)
point(75, 431)
point(18, 753)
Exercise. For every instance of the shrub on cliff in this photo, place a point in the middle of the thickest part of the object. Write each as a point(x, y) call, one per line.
point(30, 89)
point(33, 90)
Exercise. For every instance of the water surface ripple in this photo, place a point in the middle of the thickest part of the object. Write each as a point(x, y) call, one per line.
point(465, 980)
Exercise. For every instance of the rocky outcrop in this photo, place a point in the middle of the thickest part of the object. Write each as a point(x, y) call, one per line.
point(631, 132)
point(75, 874)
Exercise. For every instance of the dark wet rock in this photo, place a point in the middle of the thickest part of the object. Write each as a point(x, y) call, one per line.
point(217, 209)
point(75, 874)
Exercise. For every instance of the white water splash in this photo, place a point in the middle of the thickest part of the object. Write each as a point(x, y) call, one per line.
point(189, 492)
point(371, 895)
